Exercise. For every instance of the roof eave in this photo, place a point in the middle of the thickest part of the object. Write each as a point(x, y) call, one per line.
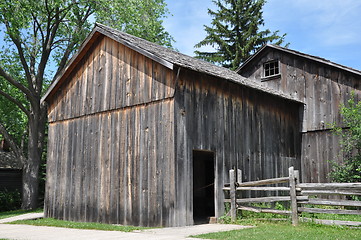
point(101, 28)
point(252, 57)
point(306, 56)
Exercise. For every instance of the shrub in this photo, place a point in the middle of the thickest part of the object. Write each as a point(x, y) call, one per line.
point(9, 200)
point(350, 169)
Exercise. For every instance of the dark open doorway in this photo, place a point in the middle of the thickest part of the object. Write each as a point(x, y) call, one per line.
point(203, 186)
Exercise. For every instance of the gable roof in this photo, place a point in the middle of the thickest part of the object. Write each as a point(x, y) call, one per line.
point(300, 54)
point(165, 56)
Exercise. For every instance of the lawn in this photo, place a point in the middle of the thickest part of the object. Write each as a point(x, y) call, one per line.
point(284, 230)
point(18, 212)
point(79, 225)
point(66, 224)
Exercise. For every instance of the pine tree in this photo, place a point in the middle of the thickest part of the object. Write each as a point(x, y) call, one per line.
point(235, 32)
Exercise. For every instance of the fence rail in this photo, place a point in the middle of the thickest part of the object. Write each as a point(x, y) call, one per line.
point(300, 196)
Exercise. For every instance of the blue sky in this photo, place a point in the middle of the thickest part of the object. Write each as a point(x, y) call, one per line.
point(329, 29)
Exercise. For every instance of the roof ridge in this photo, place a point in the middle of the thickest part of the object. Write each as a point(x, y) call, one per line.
point(167, 57)
point(301, 54)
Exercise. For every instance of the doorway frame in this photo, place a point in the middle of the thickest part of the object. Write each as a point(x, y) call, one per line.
point(215, 179)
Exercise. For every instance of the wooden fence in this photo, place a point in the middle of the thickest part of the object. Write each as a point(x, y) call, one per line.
point(299, 195)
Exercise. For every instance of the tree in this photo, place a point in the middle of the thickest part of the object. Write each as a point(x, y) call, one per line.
point(235, 32)
point(40, 37)
point(350, 169)
point(139, 18)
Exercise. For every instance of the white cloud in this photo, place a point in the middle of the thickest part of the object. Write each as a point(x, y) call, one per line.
point(332, 22)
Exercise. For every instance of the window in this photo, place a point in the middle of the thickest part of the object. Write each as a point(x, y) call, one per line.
point(271, 68)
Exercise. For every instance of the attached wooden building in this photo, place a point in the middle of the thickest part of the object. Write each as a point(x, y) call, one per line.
point(143, 135)
point(10, 169)
point(322, 85)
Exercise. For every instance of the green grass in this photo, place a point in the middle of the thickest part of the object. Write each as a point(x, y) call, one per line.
point(18, 212)
point(284, 230)
point(79, 225)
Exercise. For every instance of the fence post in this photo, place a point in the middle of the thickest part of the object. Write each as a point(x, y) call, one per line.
point(239, 194)
point(297, 176)
point(232, 194)
point(239, 175)
point(294, 209)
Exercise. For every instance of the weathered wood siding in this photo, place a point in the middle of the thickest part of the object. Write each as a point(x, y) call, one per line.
point(247, 129)
point(319, 149)
point(323, 89)
point(110, 76)
point(114, 167)
point(111, 141)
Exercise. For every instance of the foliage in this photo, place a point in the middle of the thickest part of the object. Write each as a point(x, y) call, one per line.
point(284, 230)
point(350, 169)
point(236, 32)
point(51, 222)
point(14, 120)
point(39, 39)
point(139, 18)
point(9, 200)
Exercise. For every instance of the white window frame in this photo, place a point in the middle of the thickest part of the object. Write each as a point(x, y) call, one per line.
point(271, 69)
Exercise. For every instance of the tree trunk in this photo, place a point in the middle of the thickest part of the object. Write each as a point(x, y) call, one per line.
point(32, 163)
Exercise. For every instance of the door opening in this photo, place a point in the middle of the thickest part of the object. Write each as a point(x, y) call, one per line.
point(203, 186)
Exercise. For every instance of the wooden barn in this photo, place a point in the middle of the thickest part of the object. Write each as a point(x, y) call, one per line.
point(322, 85)
point(143, 135)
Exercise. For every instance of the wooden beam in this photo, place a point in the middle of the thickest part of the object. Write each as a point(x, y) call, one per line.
point(264, 210)
point(332, 202)
point(261, 182)
point(331, 222)
point(330, 211)
point(330, 192)
point(259, 188)
point(267, 199)
point(329, 186)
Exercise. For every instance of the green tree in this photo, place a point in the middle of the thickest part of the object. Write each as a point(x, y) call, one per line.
point(39, 38)
point(236, 32)
point(139, 18)
point(350, 133)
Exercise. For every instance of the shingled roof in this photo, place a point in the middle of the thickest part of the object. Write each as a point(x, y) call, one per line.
point(165, 56)
point(300, 54)
point(9, 160)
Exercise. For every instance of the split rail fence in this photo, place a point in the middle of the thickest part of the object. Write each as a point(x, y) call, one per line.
point(299, 195)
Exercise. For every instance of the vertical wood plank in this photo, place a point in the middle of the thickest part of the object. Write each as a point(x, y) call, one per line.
point(294, 209)
point(232, 181)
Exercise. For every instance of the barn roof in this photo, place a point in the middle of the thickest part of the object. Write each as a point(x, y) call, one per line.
point(165, 56)
point(9, 160)
point(300, 54)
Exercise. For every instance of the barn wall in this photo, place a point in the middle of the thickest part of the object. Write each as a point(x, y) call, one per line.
point(111, 140)
point(323, 89)
point(113, 167)
point(319, 150)
point(110, 76)
point(249, 130)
